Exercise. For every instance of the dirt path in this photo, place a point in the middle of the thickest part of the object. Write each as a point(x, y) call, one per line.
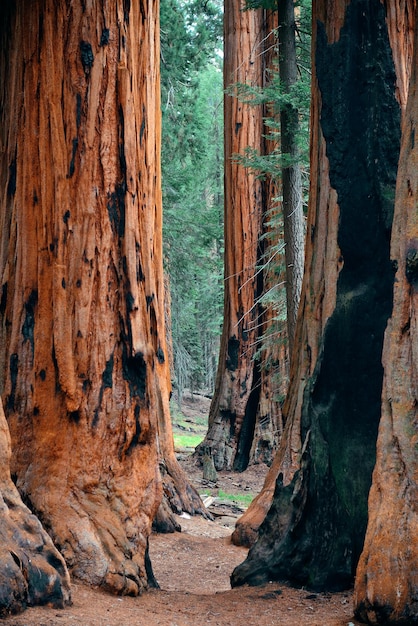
point(193, 569)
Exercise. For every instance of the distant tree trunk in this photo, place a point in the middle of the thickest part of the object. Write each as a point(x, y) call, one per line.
point(233, 410)
point(32, 571)
point(313, 533)
point(386, 588)
point(84, 373)
point(274, 353)
point(293, 221)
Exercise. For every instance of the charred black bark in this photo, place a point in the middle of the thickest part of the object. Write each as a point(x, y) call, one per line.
point(314, 532)
point(246, 436)
point(135, 373)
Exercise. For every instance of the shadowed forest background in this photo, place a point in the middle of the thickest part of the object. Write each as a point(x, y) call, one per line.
point(277, 139)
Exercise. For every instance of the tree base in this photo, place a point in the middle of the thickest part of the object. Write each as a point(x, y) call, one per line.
point(246, 528)
point(32, 571)
point(101, 541)
point(178, 496)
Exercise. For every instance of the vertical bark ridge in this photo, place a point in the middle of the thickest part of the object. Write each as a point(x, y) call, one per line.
point(293, 224)
point(274, 353)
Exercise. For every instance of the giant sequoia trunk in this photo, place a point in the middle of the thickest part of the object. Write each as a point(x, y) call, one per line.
point(313, 533)
point(84, 373)
point(234, 408)
point(386, 589)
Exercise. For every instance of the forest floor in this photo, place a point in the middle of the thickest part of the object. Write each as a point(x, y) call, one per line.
point(193, 568)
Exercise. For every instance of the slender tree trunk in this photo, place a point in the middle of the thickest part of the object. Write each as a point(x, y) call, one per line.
point(313, 533)
point(237, 389)
point(293, 221)
point(386, 589)
point(85, 375)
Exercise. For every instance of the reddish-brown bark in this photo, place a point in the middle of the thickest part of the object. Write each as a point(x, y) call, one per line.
point(245, 414)
point(318, 301)
point(293, 222)
point(84, 373)
point(321, 279)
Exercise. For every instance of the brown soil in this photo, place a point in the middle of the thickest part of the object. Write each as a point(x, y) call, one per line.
point(193, 569)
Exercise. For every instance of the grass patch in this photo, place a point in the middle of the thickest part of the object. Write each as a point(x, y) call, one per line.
point(243, 499)
point(240, 498)
point(187, 441)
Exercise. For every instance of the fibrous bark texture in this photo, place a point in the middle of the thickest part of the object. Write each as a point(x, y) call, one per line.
point(234, 409)
point(84, 373)
point(386, 589)
point(313, 533)
point(32, 571)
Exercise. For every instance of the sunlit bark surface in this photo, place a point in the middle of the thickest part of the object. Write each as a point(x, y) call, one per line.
point(84, 368)
point(313, 533)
